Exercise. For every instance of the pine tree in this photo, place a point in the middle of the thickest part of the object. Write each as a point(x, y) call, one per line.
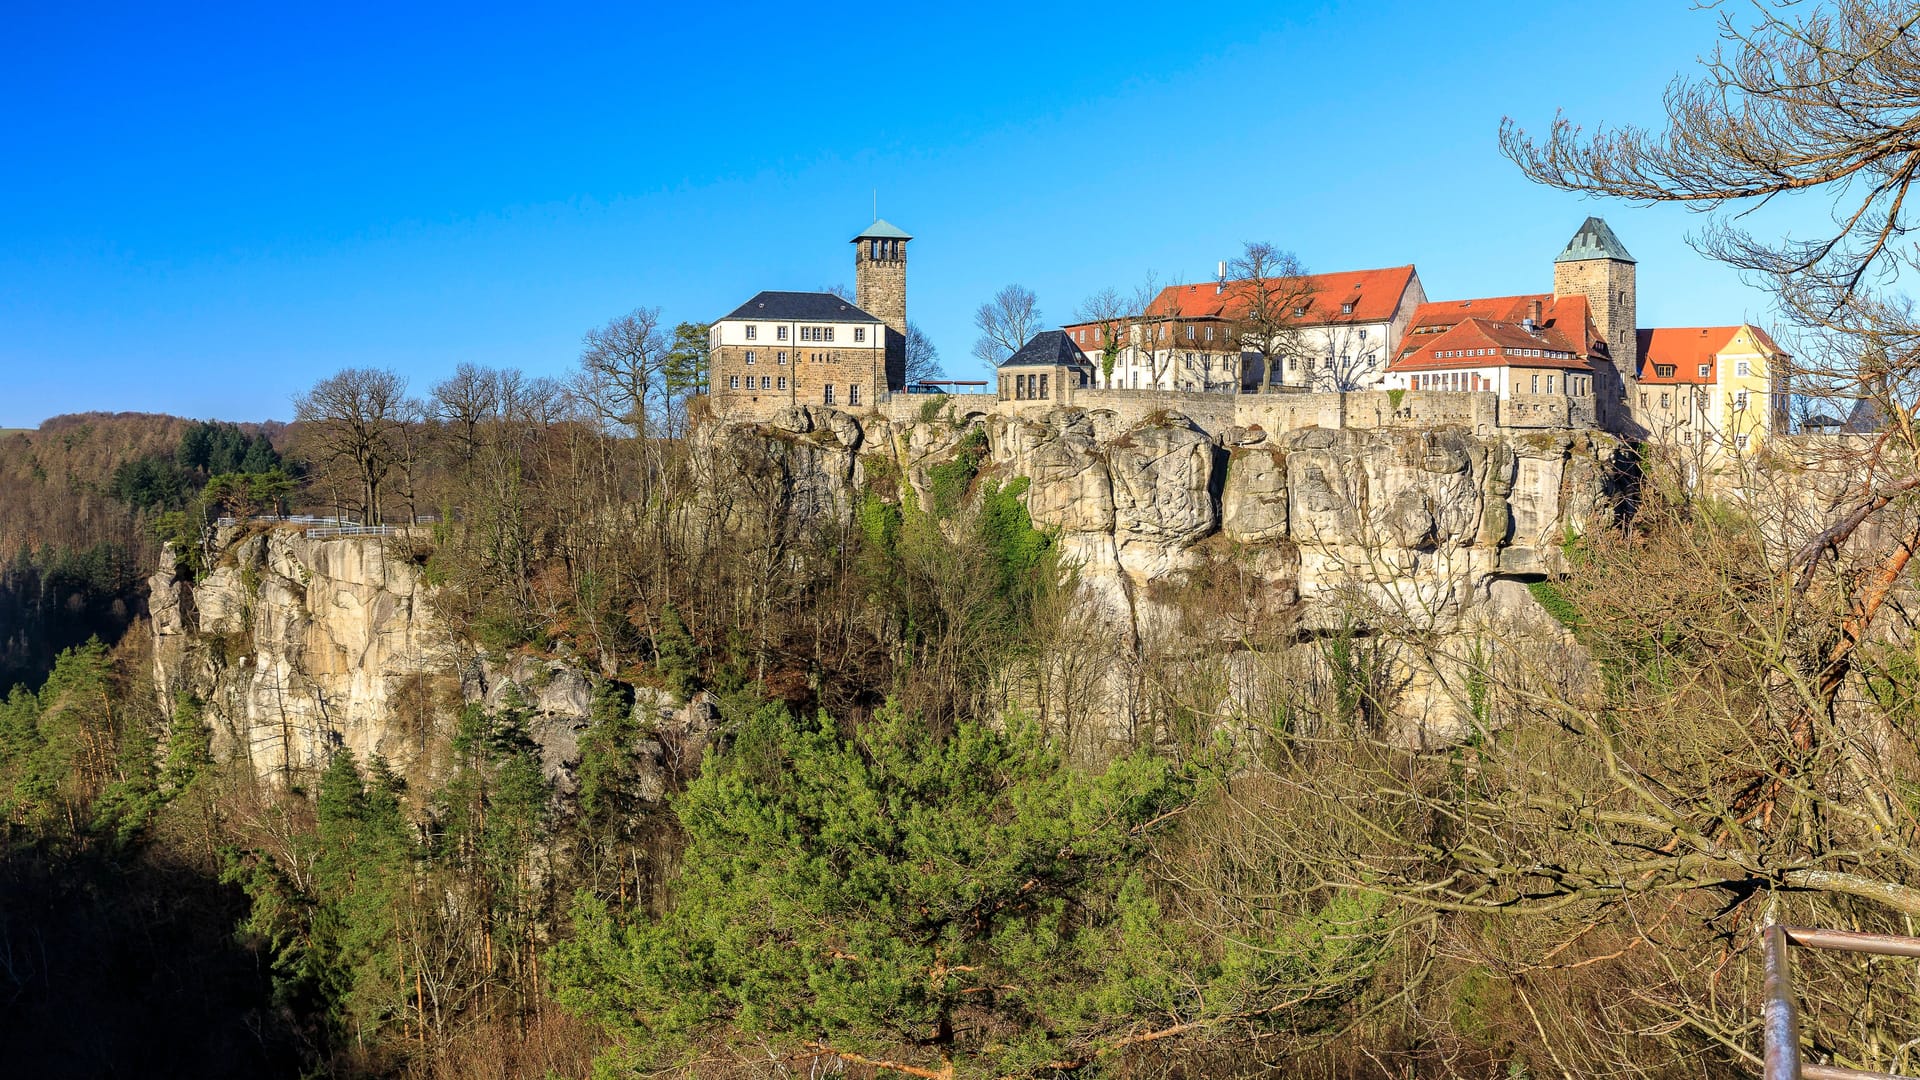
point(897, 893)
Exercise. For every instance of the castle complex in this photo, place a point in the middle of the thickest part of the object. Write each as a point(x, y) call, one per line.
point(1353, 348)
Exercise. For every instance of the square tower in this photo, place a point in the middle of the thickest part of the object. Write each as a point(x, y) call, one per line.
point(1596, 265)
point(880, 289)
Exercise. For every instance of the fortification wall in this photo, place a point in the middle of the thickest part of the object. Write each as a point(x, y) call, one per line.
point(1211, 413)
point(902, 408)
point(1481, 412)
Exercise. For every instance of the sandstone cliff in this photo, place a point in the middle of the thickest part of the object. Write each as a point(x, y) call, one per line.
point(300, 645)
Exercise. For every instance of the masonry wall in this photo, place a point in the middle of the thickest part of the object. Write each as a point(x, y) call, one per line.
point(808, 371)
point(906, 408)
point(1212, 413)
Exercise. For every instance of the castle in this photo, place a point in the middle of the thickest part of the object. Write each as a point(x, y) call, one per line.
point(782, 349)
point(1570, 357)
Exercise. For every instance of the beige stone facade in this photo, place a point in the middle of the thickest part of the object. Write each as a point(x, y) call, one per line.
point(760, 379)
point(783, 349)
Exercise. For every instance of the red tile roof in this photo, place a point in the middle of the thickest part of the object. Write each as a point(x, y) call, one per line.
point(1480, 343)
point(1686, 348)
point(1374, 294)
point(1441, 329)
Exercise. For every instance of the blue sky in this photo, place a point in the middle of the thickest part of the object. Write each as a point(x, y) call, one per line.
point(204, 209)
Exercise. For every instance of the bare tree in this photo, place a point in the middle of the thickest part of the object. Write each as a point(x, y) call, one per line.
point(464, 401)
point(623, 368)
point(1005, 323)
point(1347, 358)
point(1155, 329)
point(353, 417)
point(1808, 102)
point(1112, 315)
point(1273, 294)
point(923, 359)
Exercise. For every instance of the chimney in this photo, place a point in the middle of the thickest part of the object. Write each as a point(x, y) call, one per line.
point(1220, 282)
point(1533, 313)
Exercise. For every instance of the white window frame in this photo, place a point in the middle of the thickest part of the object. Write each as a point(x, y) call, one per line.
point(752, 331)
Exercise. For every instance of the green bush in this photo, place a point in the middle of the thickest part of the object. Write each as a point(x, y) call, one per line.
point(1555, 601)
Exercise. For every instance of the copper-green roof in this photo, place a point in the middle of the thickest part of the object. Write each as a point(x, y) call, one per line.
point(1594, 241)
point(882, 229)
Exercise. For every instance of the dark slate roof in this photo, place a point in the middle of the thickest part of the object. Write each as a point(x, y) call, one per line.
point(1594, 241)
point(1046, 349)
point(1866, 418)
point(882, 229)
point(803, 306)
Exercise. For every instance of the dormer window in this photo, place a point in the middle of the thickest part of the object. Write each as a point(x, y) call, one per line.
point(1299, 311)
point(1705, 370)
point(1664, 371)
point(1346, 308)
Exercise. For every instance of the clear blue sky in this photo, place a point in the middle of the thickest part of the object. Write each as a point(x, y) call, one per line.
point(202, 210)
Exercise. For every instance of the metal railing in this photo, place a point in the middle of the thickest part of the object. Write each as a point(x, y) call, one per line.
point(1781, 1025)
point(277, 519)
point(353, 530)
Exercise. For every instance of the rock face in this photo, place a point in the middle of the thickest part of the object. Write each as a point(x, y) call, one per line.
point(1430, 517)
point(301, 645)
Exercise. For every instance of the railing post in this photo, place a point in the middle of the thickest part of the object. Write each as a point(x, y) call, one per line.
point(1782, 1033)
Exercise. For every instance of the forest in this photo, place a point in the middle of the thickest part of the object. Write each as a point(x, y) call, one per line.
point(889, 855)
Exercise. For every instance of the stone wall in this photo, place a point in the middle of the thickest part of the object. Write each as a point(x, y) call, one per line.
point(906, 408)
point(1211, 413)
point(809, 369)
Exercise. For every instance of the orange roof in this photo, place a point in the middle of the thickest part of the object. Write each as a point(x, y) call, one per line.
point(1374, 296)
point(1688, 349)
point(1480, 342)
point(1563, 312)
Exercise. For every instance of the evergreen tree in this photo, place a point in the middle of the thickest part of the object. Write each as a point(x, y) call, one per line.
point(966, 904)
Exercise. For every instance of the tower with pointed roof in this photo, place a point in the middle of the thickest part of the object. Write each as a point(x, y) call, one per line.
point(1596, 265)
point(880, 289)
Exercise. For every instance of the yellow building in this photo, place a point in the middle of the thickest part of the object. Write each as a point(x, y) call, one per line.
point(1718, 389)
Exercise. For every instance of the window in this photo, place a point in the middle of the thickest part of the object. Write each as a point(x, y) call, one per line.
point(859, 333)
point(780, 332)
point(1549, 384)
point(749, 356)
point(1741, 369)
point(766, 382)
point(1706, 370)
point(752, 331)
point(1299, 311)
point(1346, 309)
point(1363, 333)
point(1665, 371)
point(1740, 400)
point(853, 393)
point(1740, 442)
point(733, 382)
point(1665, 399)
point(1209, 333)
point(828, 397)
point(1043, 386)
point(782, 381)
point(816, 333)
point(1019, 387)
point(1190, 332)
point(780, 357)
point(1535, 384)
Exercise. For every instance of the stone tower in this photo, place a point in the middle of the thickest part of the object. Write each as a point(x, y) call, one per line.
point(1595, 264)
point(880, 290)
